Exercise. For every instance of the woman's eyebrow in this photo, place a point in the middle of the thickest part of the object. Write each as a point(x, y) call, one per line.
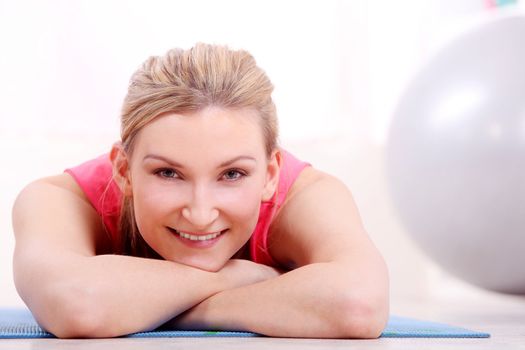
point(164, 159)
point(233, 160)
point(178, 165)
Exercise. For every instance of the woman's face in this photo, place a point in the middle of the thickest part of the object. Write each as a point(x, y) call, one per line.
point(197, 182)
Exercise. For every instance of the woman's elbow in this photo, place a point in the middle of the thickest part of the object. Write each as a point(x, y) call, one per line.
point(74, 326)
point(73, 314)
point(363, 318)
point(365, 312)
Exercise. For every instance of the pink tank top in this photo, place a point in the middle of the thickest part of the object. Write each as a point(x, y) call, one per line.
point(95, 178)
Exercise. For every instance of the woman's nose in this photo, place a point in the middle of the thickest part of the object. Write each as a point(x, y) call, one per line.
point(200, 210)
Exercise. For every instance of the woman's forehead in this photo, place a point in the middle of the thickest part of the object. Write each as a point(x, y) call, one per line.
point(213, 130)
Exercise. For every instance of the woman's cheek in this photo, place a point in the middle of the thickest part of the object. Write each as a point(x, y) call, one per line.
point(241, 203)
point(152, 202)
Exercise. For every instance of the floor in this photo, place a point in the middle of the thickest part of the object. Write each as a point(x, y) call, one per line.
point(500, 315)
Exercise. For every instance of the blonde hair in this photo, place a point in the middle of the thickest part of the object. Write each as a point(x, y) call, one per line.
point(185, 81)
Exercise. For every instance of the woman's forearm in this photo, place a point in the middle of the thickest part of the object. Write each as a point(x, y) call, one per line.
point(111, 295)
point(318, 300)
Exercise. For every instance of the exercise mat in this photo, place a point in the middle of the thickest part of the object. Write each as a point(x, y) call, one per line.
point(19, 323)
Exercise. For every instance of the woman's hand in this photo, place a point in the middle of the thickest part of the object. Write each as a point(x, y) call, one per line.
point(239, 272)
point(236, 273)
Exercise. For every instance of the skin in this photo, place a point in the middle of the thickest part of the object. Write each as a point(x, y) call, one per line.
point(334, 283)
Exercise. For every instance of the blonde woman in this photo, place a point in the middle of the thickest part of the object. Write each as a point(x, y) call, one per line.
point(197, 219)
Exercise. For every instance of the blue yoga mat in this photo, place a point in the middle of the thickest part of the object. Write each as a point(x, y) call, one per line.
point(19, 323)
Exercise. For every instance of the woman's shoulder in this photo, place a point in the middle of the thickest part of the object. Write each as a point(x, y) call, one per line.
point(308, 177)
point(65, 181)
point(313, 198)
point(41, 202)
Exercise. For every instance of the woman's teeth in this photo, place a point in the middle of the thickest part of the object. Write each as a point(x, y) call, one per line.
point(199, 238)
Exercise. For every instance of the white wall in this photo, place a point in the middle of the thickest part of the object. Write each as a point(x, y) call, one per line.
point(338, 67)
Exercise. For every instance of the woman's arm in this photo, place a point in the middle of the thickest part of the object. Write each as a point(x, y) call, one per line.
point(73, 292)
point(338, 290)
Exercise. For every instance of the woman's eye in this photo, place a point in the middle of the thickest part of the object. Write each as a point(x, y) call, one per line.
point(166, 173)
point(233, 175)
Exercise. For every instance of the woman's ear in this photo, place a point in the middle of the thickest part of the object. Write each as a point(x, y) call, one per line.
point(272, 175)
point(121, 174)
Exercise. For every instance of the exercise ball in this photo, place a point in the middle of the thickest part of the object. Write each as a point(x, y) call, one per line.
point(455, 156)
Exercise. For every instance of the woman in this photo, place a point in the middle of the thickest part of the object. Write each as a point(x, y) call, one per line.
point(197, 220)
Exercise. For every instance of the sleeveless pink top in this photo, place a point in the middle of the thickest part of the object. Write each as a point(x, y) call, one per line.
point(95, 178)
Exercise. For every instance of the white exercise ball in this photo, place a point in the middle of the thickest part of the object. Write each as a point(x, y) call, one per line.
point(455, 156)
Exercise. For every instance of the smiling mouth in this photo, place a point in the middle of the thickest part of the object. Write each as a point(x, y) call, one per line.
point(193, 237)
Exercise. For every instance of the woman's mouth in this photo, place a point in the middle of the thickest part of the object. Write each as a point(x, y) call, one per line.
point(198, 239)
point(201, 237)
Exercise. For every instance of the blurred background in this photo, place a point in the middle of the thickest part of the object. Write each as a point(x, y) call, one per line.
point(338, 68)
